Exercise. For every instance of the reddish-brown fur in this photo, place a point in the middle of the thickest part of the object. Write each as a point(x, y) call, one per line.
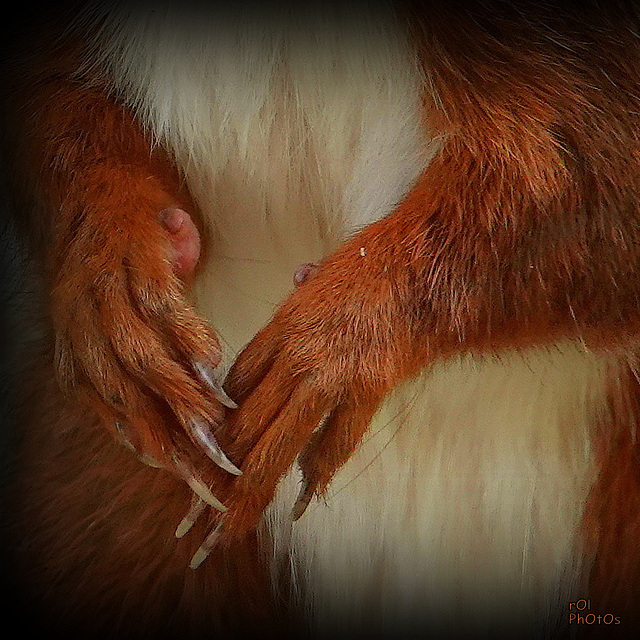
point(124, 335)
point(523, 230)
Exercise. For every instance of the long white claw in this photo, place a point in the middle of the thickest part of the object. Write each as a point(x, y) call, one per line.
point(205, 548)
point(198, 505)
point(150, 461)
point(218, 392)
point(197, 486)
point(124, 438)
point(145, 458)
point(211, 447)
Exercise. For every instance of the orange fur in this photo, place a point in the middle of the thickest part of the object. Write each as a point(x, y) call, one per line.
point(612, 517)
point(118, 343)
point(125, 335)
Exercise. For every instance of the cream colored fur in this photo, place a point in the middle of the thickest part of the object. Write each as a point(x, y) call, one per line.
point(463, 507)
point(293, 130)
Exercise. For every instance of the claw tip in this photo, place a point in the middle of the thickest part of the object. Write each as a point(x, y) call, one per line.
point(301, 504)
point(183, 528)
point(204, 436)
point(205, 548)
point(218, 392)
point(197, 486)
point(199, 557)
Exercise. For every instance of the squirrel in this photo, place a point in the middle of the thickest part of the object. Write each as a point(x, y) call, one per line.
point(339, 324)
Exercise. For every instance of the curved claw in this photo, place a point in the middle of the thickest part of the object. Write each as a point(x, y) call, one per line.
point(205, 548)
point(203, 435)
point(197, 486)
point(302, 502)
point(218, 392)
point(126, 441)
point(197, 507)
point(124, 437)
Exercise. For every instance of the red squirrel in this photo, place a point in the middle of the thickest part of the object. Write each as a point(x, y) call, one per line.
point(340, 318)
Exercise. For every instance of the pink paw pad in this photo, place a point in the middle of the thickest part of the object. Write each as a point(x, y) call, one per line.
point(304, 272)
point(185, 239)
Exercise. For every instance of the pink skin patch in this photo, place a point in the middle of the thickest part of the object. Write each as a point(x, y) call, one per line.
point(185, 239)
point(304, 272)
